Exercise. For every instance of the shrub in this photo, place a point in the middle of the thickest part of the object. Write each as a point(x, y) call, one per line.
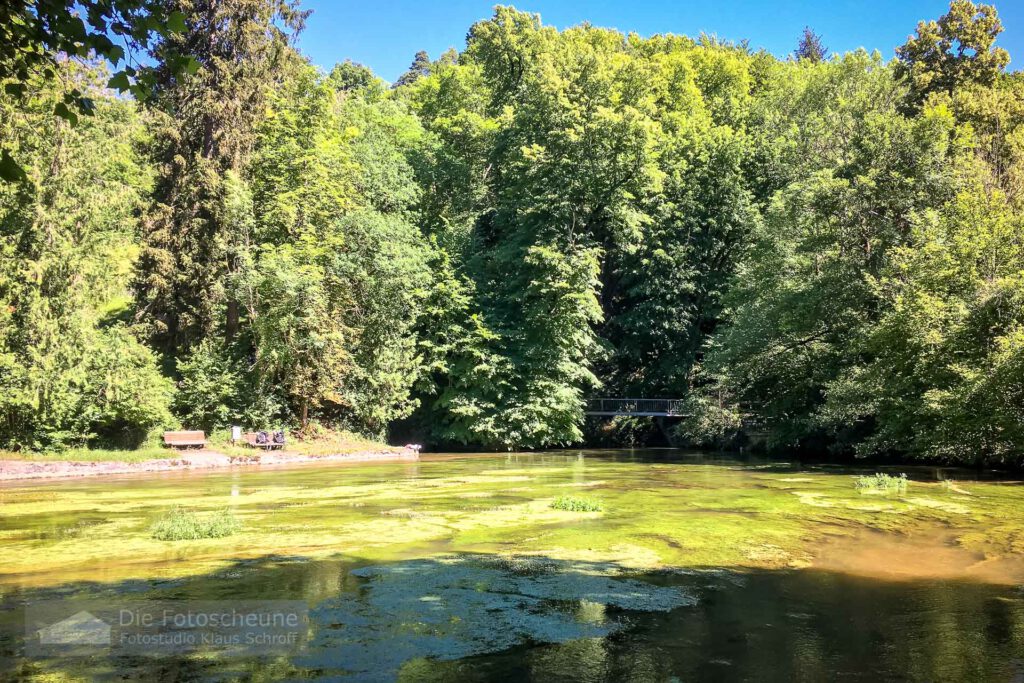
point(710, 423)
point(180, 524)
point(216, 390)
point(96, 387)
point(570, 504)
point(882, 483)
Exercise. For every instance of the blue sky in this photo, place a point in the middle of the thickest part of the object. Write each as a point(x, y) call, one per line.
point(385, 34)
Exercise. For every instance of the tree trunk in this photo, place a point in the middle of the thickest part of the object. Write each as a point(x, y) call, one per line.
point(231, 325)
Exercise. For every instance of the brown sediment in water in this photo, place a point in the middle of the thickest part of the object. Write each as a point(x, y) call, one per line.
point(926, 555)
point(204, 459)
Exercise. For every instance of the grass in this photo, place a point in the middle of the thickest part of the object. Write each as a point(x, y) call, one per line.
point(179, 524)
point(334, 443)
point(319, 442)
point(91, 455)
point(571, 504)
point(322, 443)
point(882, 483)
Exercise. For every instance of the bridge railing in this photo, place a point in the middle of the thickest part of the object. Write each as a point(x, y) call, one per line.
point(635, 406)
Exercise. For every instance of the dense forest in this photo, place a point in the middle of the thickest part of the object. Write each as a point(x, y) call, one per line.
point(831, 246)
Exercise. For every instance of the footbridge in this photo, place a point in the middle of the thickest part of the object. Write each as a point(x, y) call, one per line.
point(640, 407)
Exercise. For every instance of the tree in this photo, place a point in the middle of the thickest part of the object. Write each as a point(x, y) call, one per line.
point(208, 129)
point(72, 372)
point(944, 377)
point(334, 278)
point(802, 300)
point(811, 47)
point(957, 50)
point(420, 67)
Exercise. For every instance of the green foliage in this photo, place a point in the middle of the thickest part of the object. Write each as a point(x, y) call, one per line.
point(571, 504)
point(827, 248)
point(217, 390)
point(882, 483)
point(179, 524)
point(71, 371)
point(336, 284)
point(710, 422)
point(207, 126)
point(955, 51)
point(420, 67)
point(943, 380)
point(811, 47)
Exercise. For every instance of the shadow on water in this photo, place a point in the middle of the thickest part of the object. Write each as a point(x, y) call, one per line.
point(485, 618)
point(755, 461)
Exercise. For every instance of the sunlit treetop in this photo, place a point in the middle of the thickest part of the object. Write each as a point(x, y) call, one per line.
point(956, 50)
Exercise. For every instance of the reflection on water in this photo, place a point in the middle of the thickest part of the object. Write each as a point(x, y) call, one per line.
point(451, 608)
point(456, 568)
point(479, 620)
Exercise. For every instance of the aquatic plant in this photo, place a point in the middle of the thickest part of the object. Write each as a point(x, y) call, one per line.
point(572, 504)
point(179, 524)
point(882, 483)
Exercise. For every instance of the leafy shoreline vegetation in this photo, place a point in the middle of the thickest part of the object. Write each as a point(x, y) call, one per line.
point(830, 245)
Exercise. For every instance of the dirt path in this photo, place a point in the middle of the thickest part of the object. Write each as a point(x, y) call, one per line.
point(202, 459)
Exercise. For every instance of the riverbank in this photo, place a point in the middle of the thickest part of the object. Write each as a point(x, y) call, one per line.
point(201, 459)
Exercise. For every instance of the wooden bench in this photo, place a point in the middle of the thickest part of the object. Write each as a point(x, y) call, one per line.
point(184, 439)
point(250, 438)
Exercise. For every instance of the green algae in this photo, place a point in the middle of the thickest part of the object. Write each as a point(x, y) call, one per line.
point(422, 570)
point(684, 513)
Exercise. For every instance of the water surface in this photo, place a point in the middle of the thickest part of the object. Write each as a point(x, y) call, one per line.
point(457, 568)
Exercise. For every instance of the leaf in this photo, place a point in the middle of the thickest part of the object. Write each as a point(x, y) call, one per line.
point(15, 89)
point(101, 43)
point(176, 22)
point(119, 82)
point(115, 54)
point(192, 65)
point(62, 111)
point(10, 170)
point(86, 106)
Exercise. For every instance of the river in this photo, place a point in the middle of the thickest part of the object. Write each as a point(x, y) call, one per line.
point(457, 567)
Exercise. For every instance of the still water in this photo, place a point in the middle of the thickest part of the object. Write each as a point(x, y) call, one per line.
point(458, 568)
